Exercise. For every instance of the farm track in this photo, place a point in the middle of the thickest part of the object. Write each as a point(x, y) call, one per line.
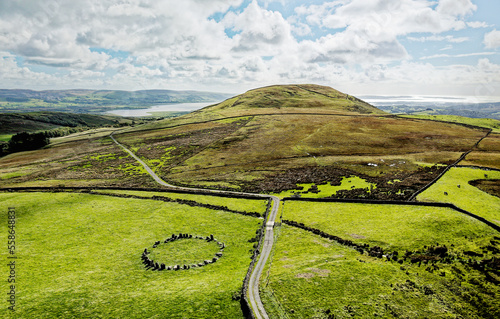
point(253, 290)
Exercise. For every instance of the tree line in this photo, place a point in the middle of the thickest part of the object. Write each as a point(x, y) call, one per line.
point(25, 141)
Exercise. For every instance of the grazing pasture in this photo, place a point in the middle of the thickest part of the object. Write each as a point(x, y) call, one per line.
point(417, 262)
point(79, 256)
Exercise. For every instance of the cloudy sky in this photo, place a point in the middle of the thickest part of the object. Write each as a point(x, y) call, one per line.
point(396, 47)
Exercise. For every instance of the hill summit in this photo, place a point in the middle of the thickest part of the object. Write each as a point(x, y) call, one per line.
point(296, 98)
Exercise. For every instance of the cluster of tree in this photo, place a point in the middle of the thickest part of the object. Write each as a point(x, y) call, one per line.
point(31, 141)
point(27, 141)
point(63, 131)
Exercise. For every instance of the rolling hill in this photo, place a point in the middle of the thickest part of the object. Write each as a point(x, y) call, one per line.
point(11, 123)
point(96, 101)
point(274, 139)
point(310, 147)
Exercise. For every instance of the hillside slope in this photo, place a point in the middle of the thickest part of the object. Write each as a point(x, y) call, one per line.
point(284, 99)
point(11, 123)
point(269, 140)
point(306, 96)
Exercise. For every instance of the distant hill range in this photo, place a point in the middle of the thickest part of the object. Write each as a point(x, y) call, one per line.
point(12, 123)
point(97, 101)
point(448, 106)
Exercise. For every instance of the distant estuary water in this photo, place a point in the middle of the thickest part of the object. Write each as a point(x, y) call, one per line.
point(174, 107)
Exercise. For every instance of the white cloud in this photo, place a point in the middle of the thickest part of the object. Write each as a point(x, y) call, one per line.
point(492, 39)
point(456, 7)
point(456, 55)
point(186, 44)
point(370, 29)
point(260, 30)
point(447, 38)
point(477, 24)
point(388, 18)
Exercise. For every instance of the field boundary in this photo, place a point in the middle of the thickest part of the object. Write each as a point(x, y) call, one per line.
point(163, 190)
point(402, 203)
point(461, 158)
point(478, 167)
point(249, 196)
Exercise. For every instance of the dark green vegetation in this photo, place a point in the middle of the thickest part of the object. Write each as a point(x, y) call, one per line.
point(92, 101)
point(419, 262)
point(11, 123)
point(27, 142)
point(80, 257)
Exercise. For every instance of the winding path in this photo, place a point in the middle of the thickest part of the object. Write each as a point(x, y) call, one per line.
point(253, 288)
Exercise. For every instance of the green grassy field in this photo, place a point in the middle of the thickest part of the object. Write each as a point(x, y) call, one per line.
point(79, 257)
point(488, 123)
point(454, 188)
point(5, 137)
point(237, 204)
point(392, 227)
point(314, 277)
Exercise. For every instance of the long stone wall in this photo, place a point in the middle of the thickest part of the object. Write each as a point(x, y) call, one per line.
point(386, 202)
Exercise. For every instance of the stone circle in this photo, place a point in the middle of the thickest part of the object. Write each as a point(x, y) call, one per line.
point(151, 264)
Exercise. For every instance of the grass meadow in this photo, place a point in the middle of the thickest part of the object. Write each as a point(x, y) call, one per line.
point(454, 188)
point(79, 257)
point(237, 204)
point(483, 122)
point(314, 277)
